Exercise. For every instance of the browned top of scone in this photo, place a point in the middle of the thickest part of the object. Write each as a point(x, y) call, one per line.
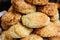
point(48, 31)
point(23, 7)
point(50, 9)
point(37, 2)
point(9, 18)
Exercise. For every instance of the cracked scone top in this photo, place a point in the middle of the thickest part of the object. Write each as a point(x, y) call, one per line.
point(35, 20)
point(19, 31)
point(37, 2)
point(9, 18)
point(50, 9)
point(55, 17)
point(48, 31)
point(23, 7)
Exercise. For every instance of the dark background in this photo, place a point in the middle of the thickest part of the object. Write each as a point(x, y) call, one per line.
point(5, 4)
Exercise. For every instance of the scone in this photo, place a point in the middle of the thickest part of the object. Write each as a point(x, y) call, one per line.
point(55, 17)
point(6, 37)
point(9, 18)
point(32, 37)
point(19, 31)
point(35, 20)
point(37, 2)
point(50, 9)
point(23, 7)
point(54, 38)
point(57, 22)
point(47, 31)
point(11, 32)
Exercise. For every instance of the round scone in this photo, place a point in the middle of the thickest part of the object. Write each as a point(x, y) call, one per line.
point(6, 37)
point(35, 20)
point(23, 7)
point(32, 37)
point(9, 18)
point(50, 9)
point(19, 31)
point(37, 2)
point(48, 31)
point(54, 38)
point(11, 32)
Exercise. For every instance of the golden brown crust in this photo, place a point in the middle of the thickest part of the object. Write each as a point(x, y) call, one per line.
point(11, 32)
point(57, 22)
point(37, 2)
point(50, 9)
point(55, 17)
point(19, 31)
point(6, 37)
point(35, 20)
point(58, 34)
point(22, 31)
point(23, 7)
point(47, 31)
point(9, 18)
point(39, 19)
point(32, 37)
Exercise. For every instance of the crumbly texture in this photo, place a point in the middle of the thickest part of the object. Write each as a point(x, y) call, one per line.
point(58, 34)
point(55, 17)
point(19, 31)
point(6, 37)
point(32, 37)
point(23, 7)
point(11, 32)
point(57, 22)
point(22, 31)
point(54, 38)
point(35, 20)
point(50, 9)
point(31, 20)
point(37, 2)
point(47, 31)
point(9, 18)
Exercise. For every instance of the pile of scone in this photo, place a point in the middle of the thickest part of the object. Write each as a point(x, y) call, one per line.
point(31, 20)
